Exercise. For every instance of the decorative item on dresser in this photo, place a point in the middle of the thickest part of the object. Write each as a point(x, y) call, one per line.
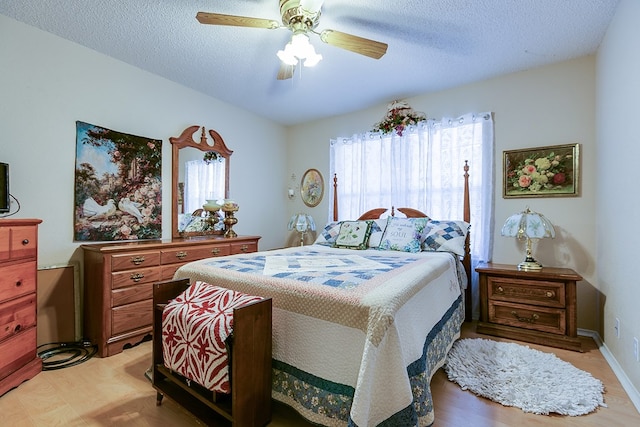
point(19, 360)
point(528, 226)
point(302, 223)
point(537, 306)
point(118, 281)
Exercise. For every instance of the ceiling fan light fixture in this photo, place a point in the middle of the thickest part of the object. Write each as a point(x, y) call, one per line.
point(299, 48)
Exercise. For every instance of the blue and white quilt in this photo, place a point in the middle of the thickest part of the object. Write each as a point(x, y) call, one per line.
point(357, 335)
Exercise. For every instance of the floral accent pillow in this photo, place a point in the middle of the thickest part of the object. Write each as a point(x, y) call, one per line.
point(353, 235)
point(403, 234)
point(327, 237)
point(446, 236)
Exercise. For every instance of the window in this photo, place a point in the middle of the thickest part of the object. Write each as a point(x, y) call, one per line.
point(422, 169)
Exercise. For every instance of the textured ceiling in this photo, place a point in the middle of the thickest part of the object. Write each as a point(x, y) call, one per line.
point(433, 45)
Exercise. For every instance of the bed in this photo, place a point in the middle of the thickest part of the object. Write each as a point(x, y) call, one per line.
point(358, 332)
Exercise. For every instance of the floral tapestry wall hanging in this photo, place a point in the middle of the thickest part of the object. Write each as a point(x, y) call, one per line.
point(117, 185)
point(551, 171)
point(399, 116)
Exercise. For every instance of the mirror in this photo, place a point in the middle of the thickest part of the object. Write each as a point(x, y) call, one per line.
point(185, 222)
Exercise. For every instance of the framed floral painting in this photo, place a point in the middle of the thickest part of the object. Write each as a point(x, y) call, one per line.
point(551, 171)
point(312, 187)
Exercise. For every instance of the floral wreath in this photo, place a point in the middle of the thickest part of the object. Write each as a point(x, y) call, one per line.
point(211, 156)
point(399, 116)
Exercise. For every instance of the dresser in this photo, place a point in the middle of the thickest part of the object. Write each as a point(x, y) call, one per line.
point(118, 279)
point(19, 360)
point(533, 306)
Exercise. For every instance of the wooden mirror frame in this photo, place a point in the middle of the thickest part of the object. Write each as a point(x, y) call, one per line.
point(186, 140)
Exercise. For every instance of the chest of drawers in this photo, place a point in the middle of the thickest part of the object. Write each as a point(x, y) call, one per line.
point(118, 279)
point(533, 306)
point(18, 276)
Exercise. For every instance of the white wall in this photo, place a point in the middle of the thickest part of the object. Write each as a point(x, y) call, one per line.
point(48, 83)
point(545, 106)
point(618, 208)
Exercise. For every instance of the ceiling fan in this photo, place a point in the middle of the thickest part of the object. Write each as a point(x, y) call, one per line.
point(301, 17)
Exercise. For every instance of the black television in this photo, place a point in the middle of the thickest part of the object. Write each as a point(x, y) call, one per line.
point(4, 188)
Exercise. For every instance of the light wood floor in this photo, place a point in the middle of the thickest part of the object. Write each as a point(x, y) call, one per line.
point(114, 391)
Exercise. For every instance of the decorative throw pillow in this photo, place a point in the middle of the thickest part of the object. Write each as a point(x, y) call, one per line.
point(403, 234)
point(353, 235)
point(446, 236)
point(327, 237)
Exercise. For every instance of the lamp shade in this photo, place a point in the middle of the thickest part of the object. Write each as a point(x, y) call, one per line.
point(528, 224)
point(302, 223)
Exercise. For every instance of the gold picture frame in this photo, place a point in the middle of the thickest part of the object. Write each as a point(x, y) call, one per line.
point(312, 187)
point(551, 171)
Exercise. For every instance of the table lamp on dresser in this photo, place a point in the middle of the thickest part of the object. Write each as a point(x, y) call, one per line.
point(528, 226)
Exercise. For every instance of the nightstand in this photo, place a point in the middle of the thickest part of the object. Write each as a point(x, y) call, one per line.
point(533, 306)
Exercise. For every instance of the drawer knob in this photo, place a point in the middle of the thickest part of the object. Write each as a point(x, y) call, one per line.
point(137, 260)
point(531, 319)
point(17, 328)
point(215, 251)
point(500, 289)
point(244, 248)
point(25, 242)
point(136, 277)
point(18, 283)
point(181, 255)
point(550, 294)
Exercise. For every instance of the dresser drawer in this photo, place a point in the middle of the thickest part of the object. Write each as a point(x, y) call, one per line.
point(244, 248)
point(17, 280)
point(17, 351)
point(131, 294)
point(135, 260)
point(193, 254)
point(169, 270)
point(135, 277)
point(132, 316)
point(542, 319)
point(17, 315)
point(24, 242)
point(543, 293)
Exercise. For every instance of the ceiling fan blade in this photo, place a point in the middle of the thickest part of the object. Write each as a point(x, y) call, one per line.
point(235, 21)
point(366, 47)
point(286, 71)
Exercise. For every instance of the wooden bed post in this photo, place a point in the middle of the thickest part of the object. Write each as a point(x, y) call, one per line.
point(466, 261)
point(335, 196)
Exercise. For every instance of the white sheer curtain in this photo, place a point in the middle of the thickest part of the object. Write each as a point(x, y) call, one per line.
point(422, 169)
point(202, 181)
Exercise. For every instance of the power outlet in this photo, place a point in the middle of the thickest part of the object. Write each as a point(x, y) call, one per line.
point(635, 349)
point(616, 327)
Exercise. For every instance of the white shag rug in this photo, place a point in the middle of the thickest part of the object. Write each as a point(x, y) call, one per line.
point(516, 375)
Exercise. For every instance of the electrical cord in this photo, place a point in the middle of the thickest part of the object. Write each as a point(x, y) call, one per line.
point(75, 353)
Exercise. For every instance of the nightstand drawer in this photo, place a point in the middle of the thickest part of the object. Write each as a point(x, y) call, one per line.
point(543, 293)
point(542, 319)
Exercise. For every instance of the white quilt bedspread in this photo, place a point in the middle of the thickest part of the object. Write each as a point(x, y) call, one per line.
point(360, 330)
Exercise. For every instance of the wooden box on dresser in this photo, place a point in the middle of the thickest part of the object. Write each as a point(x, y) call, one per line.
point(118, 279)
point(533, 306)
point(19, 360)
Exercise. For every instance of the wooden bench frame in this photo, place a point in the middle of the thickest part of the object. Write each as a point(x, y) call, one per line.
point(249, 403)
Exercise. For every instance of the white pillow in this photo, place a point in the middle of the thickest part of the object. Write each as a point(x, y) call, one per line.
point(377, 230)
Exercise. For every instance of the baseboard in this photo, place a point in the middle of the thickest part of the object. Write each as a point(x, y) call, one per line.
point(615, 366)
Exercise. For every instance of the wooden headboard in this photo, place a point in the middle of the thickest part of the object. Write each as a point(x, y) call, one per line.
point(414, 213)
